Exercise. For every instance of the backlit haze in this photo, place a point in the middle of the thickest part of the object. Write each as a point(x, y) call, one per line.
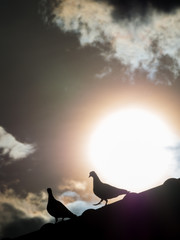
point(85, 85)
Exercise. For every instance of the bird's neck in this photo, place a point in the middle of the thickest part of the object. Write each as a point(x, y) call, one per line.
point(51, 196)
point(96, 179)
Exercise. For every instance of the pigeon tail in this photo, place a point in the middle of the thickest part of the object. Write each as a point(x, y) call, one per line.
point(123, 191)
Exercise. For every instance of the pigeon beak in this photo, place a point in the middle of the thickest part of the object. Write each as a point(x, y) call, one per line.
point(89, 175)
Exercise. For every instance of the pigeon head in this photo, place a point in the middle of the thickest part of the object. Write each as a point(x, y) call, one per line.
point(49, 190)
point(92, 174)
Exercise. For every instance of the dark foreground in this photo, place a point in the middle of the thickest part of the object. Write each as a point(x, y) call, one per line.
point(153, 214)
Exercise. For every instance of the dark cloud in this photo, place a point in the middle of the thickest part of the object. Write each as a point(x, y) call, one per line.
point(131, 8)
point(128, 9)
point(18, 223)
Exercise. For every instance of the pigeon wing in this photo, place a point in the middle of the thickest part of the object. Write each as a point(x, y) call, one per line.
point(109, 191)
point(63, 211)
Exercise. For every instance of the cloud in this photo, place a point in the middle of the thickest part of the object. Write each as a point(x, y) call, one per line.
point(24, 214)
point(15, 149)
point(70, 194)
point(149, 43)
point(106, 71)
point(175, 150)
point(79, 206)
point(75, 203)
point(72, 190)
point(69, 185)
point(20, 215)
point(19, 223)
point(18, 212)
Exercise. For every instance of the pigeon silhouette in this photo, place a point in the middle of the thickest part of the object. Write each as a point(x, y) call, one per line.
point(103, 190)
point(56, 209)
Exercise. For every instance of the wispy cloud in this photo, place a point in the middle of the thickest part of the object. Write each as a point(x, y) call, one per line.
point(150, 43)
point(105, 72)
point(13, 148)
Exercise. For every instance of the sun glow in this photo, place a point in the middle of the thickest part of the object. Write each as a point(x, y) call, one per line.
point(130, 149)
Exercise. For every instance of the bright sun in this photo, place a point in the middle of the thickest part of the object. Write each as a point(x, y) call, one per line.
point(130, 149)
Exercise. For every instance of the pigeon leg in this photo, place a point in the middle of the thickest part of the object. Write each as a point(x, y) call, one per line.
point(98, 202)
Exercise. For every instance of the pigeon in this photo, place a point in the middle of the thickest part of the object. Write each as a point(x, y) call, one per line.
point(56, 209)
point(103, 190)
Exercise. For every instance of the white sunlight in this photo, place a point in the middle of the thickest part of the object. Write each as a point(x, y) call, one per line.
point(130, 149)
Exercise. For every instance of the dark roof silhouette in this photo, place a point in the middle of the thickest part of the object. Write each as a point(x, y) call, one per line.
point(149, 215)
point(103, 190)
point(56, 209)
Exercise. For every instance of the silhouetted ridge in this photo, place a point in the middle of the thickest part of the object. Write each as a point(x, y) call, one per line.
point(149, 215)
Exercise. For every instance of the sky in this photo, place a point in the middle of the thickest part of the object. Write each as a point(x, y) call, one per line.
point(63, 65)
